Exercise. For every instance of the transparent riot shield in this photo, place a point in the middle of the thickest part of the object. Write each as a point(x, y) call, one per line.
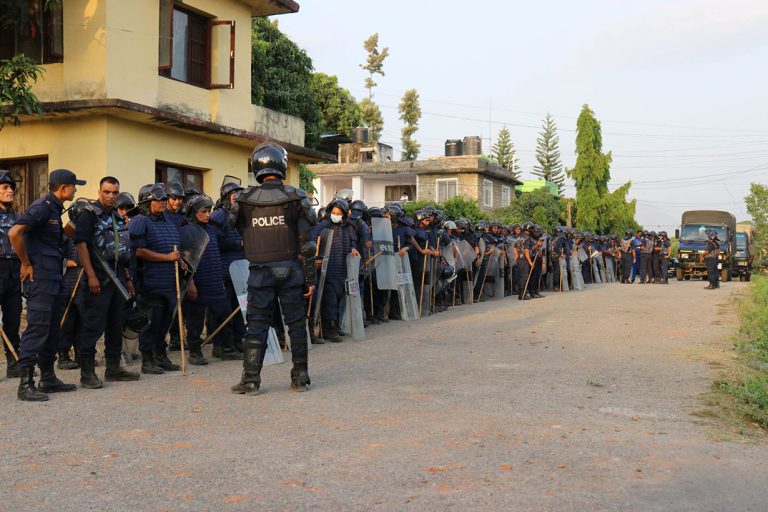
point(326, 239)
point(353, 308)
point(409, 307)
point(384, 250)
point(562, 266)
point(499, 283)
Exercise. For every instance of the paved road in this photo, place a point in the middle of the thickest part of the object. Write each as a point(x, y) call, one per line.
point(579, 401)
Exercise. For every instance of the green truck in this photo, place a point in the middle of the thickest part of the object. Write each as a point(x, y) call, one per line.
point(745, 252)
point(693, 240)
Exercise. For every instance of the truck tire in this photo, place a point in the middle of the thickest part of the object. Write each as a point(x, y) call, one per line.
point(679, 274)
point(748, 276)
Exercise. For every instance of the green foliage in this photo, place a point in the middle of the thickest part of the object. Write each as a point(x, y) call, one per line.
point(538, 206)
point(504, 152)
point(410, 113)
point(16, 78)
point(281, 77)
point(597, 209)
point(549, 166)
point(374, 65)
point(455, 208)
point(339, 110)
point(372, 117)
point(757, 207)
point(306, 179)
point(751, 387)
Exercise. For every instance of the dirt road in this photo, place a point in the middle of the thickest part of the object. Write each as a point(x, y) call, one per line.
point(579, 401)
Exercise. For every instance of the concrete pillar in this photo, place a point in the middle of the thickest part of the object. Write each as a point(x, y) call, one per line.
point(318, 184)
point(357, 187)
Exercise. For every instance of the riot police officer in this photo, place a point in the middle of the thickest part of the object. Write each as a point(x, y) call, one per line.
point(710, 258)
point(103, 249)
point(275, 221)
point(10, 286)
point(37, 239)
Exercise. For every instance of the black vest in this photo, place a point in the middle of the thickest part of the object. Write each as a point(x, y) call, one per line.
point(268, 219)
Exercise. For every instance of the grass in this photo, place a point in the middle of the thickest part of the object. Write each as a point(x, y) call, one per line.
point(749, 384)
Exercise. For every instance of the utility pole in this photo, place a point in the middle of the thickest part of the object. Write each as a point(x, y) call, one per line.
point(568, 214)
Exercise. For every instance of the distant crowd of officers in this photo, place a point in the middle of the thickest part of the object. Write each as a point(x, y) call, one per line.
point(114, 268)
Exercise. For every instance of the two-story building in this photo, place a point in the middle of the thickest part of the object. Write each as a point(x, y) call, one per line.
point(145, 90)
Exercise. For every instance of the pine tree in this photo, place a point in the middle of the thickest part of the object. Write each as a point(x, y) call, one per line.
point(504, 152)
point(410, 113)
point(374, 65)
point(549, 167)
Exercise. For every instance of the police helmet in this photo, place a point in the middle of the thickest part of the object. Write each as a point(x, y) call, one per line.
point(153, 192)
point(228, 188)
point(358, 209)
point(135, 318)
point(394, 210)
point(77, 207)
point(421, 215)
point(125, 201)
point(375, 212)
point(439, 217)
point(269, 159)
point(198, 203)
point(339, 203)
point(628, 232)
point(528, 226)
point(398, 204)
point(462, 224)
point(645, 232)
point(652, 233)
point(175, 190)
point(431, 210)
point(7, 177)
point(481, 225)
point(449, 224)
point(663, 233)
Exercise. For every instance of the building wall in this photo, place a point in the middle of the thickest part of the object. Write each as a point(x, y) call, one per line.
point(497, 184)
point(467, 185)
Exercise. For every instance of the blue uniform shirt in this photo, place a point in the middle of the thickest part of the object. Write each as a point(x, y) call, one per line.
point(43, 237)
point(156, 233)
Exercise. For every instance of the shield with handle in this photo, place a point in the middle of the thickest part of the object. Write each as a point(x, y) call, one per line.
point(499, 283)
point(384, 250)
point(406, 292)
point(326, 240)
point(352, 319)
point(239, 272)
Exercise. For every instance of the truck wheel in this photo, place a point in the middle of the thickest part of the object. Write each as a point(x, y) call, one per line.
point(748, 276)
point(679, 274)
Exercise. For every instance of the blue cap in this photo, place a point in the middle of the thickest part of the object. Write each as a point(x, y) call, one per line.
point(64, 177)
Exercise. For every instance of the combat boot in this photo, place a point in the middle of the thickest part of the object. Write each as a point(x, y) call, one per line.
point(66, 362)
point(116, 373)
point(331, 331)
point(300, 376)
point(88, 377)
point(228, 351)
point(49, 383)
point(161, 360)
point(12, 367)
point(250, 382)
point(148, 364)
point(27, 390)
point(196, 354)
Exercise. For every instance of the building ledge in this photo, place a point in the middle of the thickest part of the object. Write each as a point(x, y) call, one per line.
point(271, 7)
point(153, 115)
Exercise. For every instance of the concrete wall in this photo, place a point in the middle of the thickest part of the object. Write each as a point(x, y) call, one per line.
point(467, 185)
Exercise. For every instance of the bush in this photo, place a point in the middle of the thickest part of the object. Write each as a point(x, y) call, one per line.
point(454, 208)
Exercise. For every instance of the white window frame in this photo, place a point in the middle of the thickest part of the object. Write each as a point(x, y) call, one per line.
point(487, 193)
point(506, 197)
point(437, 188)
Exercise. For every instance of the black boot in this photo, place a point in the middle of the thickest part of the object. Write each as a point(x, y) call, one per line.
point(174, 344)
point(331, 331)
point(315, 340)
point(116, 373)
point(12, 367)
point(300, 376)
point(250, 382)
point(27, 390)
point(196, 354)
point(49, 383)
point(228, 351)
point(148, 364)
point(161, 360)
point(88, 377)
point(65, 362)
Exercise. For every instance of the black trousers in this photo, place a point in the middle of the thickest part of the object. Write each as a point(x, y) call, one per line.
point(713, 274)
point(523, 271)
point(10, 302)
point(40, 340)
point(626, 266)
point(101, 314)
point(646, 271)
point(163, 315)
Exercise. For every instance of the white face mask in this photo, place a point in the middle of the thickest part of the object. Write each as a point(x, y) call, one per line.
point(336, 218)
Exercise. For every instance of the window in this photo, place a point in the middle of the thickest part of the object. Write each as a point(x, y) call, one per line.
point(488, 193)
point(397, 192)
point(195, 49)
point(505, 195)
point(171, 172)
point(32, 176)
point(446, 189)
point(40, 36)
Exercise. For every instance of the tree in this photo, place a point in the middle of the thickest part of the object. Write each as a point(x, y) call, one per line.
point(374, 65)
point(306, 179)
point(504, 152)
point(548, 155)
point(538, 206)
point(410, 113)
point(281, 77)
point(757, 207)
point(454, 208)
point(339, 110)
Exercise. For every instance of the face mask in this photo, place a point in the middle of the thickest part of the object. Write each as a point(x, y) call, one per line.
point(336, 218)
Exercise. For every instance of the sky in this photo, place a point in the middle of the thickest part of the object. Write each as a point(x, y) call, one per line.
point(679, 86)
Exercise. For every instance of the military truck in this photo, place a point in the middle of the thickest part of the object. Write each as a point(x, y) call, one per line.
point(693, 240)
point(745, 252)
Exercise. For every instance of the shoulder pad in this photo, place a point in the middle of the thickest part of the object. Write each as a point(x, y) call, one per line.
point(266, 197)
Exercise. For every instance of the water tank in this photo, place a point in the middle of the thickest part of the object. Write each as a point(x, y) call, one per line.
point(453, 147)
point(361, 135)
point(473, 145)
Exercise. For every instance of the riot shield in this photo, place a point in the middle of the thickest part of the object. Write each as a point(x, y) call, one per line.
point(409, 307)
point(425, 293)
point(562, 266)
point(596, 276)
point(490, 276)
point(194, 240)
point(448, 253)
point(468, 254)
point(239, 272)
point(499, 283)
point(326, 239)
point(578, 282)
point(230, 179)
point(384, 250)
point(352, 319)
point(609, 271)
point(481, 245)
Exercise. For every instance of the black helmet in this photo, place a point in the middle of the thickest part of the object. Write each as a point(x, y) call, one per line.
point(125, 200)
point(269, 159)
point(394, 210)
point(175, 189)
point(652, 233)
point(153, 192)
point(462, 224)
point(663, 233)
point(431, 210)
point(528, 226)
point(421, 215)
point(135, 318)
point(340, 204)
point(77, 207)
point(358, 208)
point(397, 203)
point(196, 204)
point(7, 177)
point(628, 233)
point(375, 212)
point(645, 232)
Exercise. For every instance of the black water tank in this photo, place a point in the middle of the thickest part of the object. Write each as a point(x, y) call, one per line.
point(453, 147)
point(361, 135)
point(473, 145)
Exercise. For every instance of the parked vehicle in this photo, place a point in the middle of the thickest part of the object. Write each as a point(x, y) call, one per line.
point(745, 252)
point(693, 241)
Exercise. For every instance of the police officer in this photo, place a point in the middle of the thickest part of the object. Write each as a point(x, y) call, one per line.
point(525, 261)
point(626, 257)
point(275, 221)
point(710, 257)
point(103, 248)
point(666, 249)
point(37, 239)
point(10, 286)
point(174, 213)
point(153, 238)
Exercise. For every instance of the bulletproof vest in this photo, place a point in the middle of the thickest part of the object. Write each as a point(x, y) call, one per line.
point(161, 236)
point(626, 245)
point(268, 220)
point(7, 219)
point(110, 235)
point(556, 249)
point(665, 246)
point(209, 278)
point(713, 250)
point(647, 246)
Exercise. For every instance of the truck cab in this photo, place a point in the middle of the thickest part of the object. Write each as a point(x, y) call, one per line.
point(744, 254)
point(693, 241)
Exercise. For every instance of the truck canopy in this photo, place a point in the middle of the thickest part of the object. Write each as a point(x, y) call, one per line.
point(710, 218)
